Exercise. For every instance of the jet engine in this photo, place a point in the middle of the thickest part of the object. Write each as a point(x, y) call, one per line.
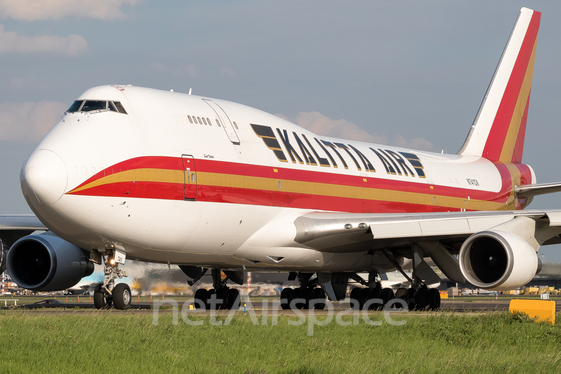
point(45, 262)
point(498, 260)
point(3, 254)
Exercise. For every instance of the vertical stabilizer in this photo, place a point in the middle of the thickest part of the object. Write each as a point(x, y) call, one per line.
point(499, 128)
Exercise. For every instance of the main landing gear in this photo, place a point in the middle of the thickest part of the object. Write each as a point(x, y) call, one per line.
point(107, 294)
point(310, 295)
point(371, 298)
point(419, 296)
point(220, 296)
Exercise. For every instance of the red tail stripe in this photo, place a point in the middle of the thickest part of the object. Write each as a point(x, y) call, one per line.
point(497, 135)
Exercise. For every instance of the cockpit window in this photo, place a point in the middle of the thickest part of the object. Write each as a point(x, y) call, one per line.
point(75, 106)
point(119, 107)
point(90, 105)
point(96, 105)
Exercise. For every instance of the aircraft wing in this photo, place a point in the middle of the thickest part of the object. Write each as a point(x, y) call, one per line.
point(350, 232)
point(440, 236)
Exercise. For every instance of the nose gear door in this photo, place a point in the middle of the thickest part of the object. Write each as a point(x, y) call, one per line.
point(189, 177)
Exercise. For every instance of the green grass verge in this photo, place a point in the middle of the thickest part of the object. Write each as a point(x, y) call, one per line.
point(129, 342)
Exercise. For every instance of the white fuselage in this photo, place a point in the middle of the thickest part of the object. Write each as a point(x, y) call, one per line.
point(223, 194)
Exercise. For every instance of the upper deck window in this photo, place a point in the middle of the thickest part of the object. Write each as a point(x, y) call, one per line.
point(96, 105)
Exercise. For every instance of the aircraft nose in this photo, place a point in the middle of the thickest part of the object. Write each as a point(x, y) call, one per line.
point(44, 176)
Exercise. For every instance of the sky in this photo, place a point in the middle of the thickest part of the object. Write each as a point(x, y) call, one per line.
point(410, 73)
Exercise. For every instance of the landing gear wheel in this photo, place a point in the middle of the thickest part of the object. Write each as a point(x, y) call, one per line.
point(355, 298)
point(222, 298)
point(387, 295)
point(302, 293)
point(375, 293)
point(202, 296)
point(287, 295)
point(433, 299)
point(364, 297)
point(100, 301)
point(409, 298)
point(319, 296)
point(421, 298)
point(122, 296)
point(211, 292)
point(401, 293)
point(234, 299)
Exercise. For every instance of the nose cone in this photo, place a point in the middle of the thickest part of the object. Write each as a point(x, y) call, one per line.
point(44, 177)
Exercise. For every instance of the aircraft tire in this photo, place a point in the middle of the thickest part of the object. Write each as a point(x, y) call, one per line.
point(433, 299)
point(319, 295)
point(288, 295)
point(401, 293)
point(421, 298)
point(387, 295)
point(222, 294)
point(100, 301)
point(364, 297)
point(302, 293)
point(375, 293)
point(202, 295)
point(234, 299)
point(122, 296)
point(355, 298)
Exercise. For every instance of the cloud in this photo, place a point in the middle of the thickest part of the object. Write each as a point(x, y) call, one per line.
point(341, 128)
point(11, 42)
point(28, 122)
point(34, 10)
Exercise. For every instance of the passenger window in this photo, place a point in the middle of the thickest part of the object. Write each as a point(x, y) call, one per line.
point(236, 126)
point(195, 120)
point(91, 105)
point(190, 119)
point(208, 121)
point(217, 122)
point(199, 118)
point(75, 106)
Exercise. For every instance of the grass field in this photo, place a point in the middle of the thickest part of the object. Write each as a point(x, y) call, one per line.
point(181, 299)
point(128, 342)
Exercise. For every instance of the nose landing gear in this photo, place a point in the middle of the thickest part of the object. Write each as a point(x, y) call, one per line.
point(108, 294)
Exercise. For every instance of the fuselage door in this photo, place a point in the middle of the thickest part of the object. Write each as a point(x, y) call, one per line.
point(225, 121)
point(189, 177)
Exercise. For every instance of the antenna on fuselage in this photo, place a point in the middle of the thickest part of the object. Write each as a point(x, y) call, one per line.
point(190, 90)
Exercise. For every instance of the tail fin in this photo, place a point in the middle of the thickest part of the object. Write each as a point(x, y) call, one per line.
point(500, 125)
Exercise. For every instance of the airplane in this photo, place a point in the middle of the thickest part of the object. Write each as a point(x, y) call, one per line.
point(160, 176)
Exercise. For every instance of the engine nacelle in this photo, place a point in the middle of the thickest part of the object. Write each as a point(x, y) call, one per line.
point(45, 262)
point(498, 260)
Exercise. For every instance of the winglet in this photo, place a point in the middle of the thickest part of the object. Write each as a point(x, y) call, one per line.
point(500, 125)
